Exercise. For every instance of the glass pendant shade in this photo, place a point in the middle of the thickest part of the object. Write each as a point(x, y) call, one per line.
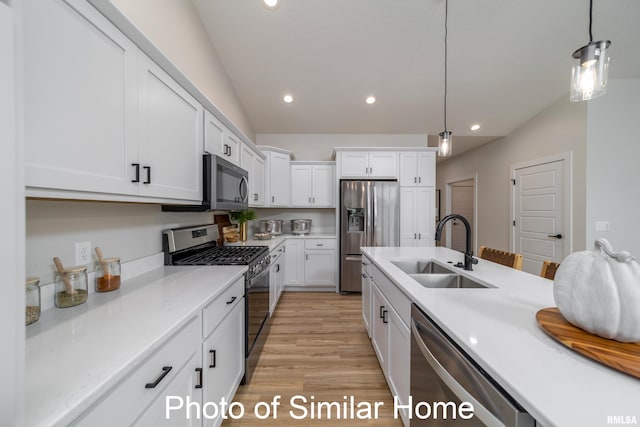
point(444, 143)
point(589, 76)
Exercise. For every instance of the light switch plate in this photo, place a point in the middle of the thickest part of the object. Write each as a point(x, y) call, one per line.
point(602, 225)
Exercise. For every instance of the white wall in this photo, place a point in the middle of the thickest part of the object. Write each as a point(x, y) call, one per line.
point(613, 165)
point(176, 29)
point(559, 128)
point(129, 231)
point(320, 146)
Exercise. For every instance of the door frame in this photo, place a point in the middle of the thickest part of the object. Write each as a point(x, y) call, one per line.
point(474, 226)
point(567, 157)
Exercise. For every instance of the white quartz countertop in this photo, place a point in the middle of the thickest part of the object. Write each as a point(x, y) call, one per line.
point(276, 240)
point(498, 329)
point(74, 355)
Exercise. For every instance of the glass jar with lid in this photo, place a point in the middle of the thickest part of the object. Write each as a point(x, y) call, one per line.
point(107, 275)
point(32, 299)
point(71, 287)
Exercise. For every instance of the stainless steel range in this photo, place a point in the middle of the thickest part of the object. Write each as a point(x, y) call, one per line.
point(198, 246)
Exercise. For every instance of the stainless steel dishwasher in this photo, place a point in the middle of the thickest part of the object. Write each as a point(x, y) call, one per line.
point(443, 372)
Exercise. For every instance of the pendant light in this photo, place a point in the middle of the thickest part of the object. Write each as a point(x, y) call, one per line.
point(589, 76)
point(446, 138)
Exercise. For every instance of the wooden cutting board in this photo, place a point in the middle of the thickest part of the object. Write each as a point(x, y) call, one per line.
point(624, 357)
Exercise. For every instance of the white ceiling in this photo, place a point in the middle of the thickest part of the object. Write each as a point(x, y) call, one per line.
point(508, 60)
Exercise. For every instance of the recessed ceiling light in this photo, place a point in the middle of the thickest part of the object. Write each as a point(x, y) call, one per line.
point(288, 99)
point(475, 126)
point(271, 4)
point(371, 99)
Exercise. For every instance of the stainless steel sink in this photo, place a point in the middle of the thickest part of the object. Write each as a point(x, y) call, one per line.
point(421, 267)
point(446, 281)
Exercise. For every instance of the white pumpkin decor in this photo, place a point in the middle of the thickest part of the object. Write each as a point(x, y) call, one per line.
point(599, 291)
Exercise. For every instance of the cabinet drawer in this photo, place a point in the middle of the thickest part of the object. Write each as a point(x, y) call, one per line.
point(124, 402)
point(217, 309)
point(320, 243)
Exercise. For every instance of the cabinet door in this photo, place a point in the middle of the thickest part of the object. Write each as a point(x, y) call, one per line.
point(408, 204)
point(319, 268)
point(294, 259)
point(213, 134)
point(280, 179)
point(282, 268)
point(383, 164)
point(424, 216)
point(426, 171)
point(323, 186)
point(408, 169)
point(171, 137)
point(273, 286)
point(223, 360)
point(231, 147)
point(258, 183)
point(399, 358)
point(80, 99)
point(301, 185)
point(366, 301)
point(380, 332)
point(354, 165)
point(182, 386)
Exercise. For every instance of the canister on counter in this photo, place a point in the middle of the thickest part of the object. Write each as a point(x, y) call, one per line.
point(71, 287)
point(107, 274)
point(32, 299)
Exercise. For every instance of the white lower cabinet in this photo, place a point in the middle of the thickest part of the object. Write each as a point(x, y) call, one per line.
point(387, 307)
point(184, 386)
point(366, 297)
point(185, 367)
point(310, 262)
point(276, 276)
point(223, 361)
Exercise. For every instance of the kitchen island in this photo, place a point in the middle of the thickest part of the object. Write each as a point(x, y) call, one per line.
point(496, 326)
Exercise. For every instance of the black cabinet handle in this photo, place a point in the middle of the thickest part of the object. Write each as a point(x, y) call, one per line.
point(277, 268)
point(415, 180)
point(212, 353)
point(419, 180)
point(381, 311)
point(419, 236)
point(199, 371)
point(137, 166)
point(165, 372)
point(232, 300)
point(364, 276)
point(384, 317)
point(148, 169)
point(555, 236)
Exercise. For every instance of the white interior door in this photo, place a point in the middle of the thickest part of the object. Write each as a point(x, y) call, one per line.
point(539, 229)
point(462, 203)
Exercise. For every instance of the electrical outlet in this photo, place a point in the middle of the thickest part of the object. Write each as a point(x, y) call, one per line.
point(602, 225)
point(83, 253)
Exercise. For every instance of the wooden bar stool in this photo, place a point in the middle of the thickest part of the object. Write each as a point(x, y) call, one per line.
point(501, 257)
point(549, 269)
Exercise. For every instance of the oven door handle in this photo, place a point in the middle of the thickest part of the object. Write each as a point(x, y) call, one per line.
point(253, 280)
point(479, 409)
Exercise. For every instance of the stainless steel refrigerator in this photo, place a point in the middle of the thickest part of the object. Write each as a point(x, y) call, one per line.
point(369, 216)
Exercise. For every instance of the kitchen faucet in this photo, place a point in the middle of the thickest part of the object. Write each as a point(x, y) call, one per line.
point(468, 253)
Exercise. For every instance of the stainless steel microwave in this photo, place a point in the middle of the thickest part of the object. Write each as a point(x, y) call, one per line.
point(225, 187)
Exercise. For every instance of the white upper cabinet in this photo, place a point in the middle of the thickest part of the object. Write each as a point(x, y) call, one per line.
point(170, 144)
point(278, 176)
point(375, 164)
point(253, 163)
point(312, 184)
point(231, 148)
point(80, 100)
point(102, 121)
point(417, 216)
point(214, 133)
point(418, 169)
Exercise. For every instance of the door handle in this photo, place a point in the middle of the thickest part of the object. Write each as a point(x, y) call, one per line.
point(212, 363)
point(199, 371)
point(137, 166)
point(384, 316)
point(148, 169)
point(555, 236)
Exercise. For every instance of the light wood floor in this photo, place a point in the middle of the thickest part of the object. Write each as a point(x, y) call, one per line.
point(317, 347)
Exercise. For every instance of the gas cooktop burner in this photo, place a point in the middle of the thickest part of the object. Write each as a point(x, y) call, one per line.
point(236, 255)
